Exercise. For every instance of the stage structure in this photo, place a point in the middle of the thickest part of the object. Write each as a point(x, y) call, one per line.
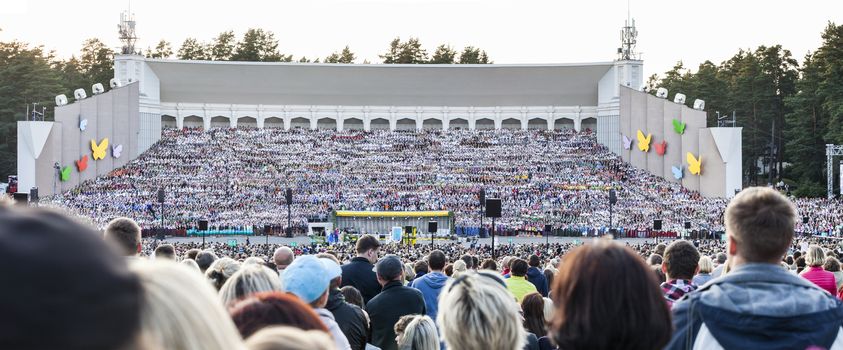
point(95, 135)
point(382, 222)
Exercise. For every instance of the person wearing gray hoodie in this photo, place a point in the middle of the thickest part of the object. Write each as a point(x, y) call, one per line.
point(431, 284)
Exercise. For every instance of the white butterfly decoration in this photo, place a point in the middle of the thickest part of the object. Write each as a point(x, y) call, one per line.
point(116, 150)
point(83, 124)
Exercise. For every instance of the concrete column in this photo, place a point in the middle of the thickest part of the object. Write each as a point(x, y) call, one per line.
point(180, 122)
point(287, 122)
point(206, 123)
point(260, 122)
point(367, 122)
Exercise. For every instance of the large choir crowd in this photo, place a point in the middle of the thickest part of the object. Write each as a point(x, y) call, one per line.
point(765, 288)
point(238, 178)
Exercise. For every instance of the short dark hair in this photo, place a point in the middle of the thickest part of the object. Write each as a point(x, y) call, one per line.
point(204, 259)
point(125, 233)
point(469, 263)
point(274, 309)
point(535, 261)
point(681, 259)
point(165, 251)
point(489, 264)
point(191, 254)
point(366, 243)
point(352, 295)
point(655, 259)
point(519, 267)
point(420, 266)
point(608, 276)
point(437, 260)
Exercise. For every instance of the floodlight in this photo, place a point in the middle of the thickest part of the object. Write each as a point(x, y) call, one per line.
point(699, 104)
point(114, 83)
point(79, 94)
point(61, 100)
point(679, 98)
point(661, 93)
point(97, 89)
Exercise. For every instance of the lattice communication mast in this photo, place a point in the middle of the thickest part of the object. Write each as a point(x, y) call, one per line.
point(629, 38)
point(126, 29)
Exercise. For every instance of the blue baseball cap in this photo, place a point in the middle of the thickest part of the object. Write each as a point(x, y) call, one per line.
point(332, 269)
point(307, 278)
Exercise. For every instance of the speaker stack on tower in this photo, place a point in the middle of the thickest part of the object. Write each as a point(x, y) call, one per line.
point(657, 225)
point(432, 227)
point(493, 208)
point(687, 225)
point(203, 225)
point(613, 197)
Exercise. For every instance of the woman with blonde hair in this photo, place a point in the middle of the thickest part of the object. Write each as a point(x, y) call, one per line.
point(416, 332)
point(476, 311)
point(250, 279)
point(289, 338)
point(706, 266)
point(815, 258)
point(459, 268)
point(221, 270)
point(180, 310)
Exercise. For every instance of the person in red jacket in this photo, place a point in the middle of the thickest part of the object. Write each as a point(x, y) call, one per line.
point(815, 272)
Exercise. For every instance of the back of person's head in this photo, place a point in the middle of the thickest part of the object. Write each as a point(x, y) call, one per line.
point(705, 264)
point(204, 259)
point(274, 309)
point(549, 309)
point(352, 295)
point(468, 261)
point(548, 275)
point(761, 222)
point(416, 332)
point(308, 278)
point(681, 260)
point(181, 311)
point(721, 258)
point(221, 270)
point(289, 338)
point(191, 253)
point(449, 270)
point(437, 260)
point(655, 259)
point(815, 256)
point(82, 297)
point(250, 279)
point(126, 234)
point(831, 264)
point(366, 243)
point(191, 264)
point(489, 264)
point(532, 306)
point(606, 296)
point(507, 260)
point(421, 266)
point(660, 249)
point(475, 262)
point(476, 311)
point(283, 257)
point(459, 267)
point(165, 251)
point(534, 261)
point(518, 267)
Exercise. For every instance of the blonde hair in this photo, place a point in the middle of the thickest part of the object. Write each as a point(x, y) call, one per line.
point(181, 311)
point(221, 270)
point(548, 310)
point(289, 338)
point(419, 334)
point(192, 264)
point(250, 279)
point(761, 220)
point(476, 311)
point(459, 267)
point(706, 266)
point(814, 256)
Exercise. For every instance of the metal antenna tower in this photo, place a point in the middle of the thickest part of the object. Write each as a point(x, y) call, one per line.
point(629, 37)
point(126, 29)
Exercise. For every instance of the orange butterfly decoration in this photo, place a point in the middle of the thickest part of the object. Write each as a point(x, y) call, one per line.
point(661, 147)
point(82, 163)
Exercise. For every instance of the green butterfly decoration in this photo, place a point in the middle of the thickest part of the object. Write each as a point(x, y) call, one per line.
point(679, 126)
point(65, 173)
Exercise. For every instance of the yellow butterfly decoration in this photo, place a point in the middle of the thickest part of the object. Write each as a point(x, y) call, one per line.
point(644, 142)
point(99, 150)
point(694, 164)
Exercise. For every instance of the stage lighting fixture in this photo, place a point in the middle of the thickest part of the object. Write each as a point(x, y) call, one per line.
point(114, 83)
point(661, 93)
point(61, 100)
point(79, 94)
point(97, 89)
point(679, 98)
point(699, 104)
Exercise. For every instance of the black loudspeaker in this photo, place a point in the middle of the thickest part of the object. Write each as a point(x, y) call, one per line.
point(33, 194)
point(687, 225)
point(493, 208)
point(657, 225)
point(613, 197)
point(21, 198)
point(289, 196)
point(805, 219)
point(161, 195)
point(547, 229)
point(203, 225)
point(408, 229)
point(266, 229)
point(432, 226)
point(482, 196)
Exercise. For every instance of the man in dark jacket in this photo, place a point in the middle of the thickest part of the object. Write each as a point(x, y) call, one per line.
point(358, 273)
point(431, 284)
point(394, 301)
point(758, 304)
point(536, 276)
point(350, 318)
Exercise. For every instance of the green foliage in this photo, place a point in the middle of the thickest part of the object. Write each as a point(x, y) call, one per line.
point(223, 45)
point(192, 49)
point(344, 56)
point(444, 54)
point(473, 55)
point(409, 52)
point(259, 46)
point(163, 50)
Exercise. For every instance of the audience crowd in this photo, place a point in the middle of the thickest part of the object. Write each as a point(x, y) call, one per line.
point(764, 288)
point(236, 179)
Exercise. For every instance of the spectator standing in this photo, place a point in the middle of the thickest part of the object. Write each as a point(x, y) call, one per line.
point(282, 258)
point(394, 301)
point(705, 272)
point(536, 276)
point(350, 318)
point(681, 263)
point(517, 283)
point(431, 284)
point(358, 273)
point(125, 234)
point(815, 258)
point(758, 305)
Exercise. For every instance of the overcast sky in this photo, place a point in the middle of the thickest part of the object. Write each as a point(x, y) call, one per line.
point(511, 31)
